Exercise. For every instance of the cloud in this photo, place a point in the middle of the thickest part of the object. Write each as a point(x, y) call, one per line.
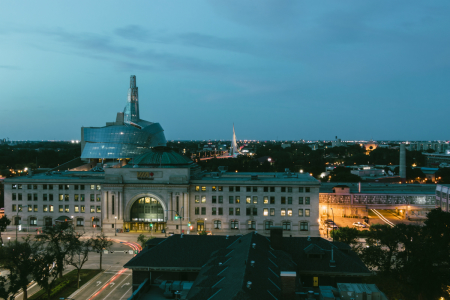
point(9, 67)
point(104, 47)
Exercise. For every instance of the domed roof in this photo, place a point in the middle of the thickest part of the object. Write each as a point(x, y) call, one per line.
point(162, 157)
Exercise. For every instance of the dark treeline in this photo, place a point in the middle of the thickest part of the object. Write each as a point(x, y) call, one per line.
point(36, 155)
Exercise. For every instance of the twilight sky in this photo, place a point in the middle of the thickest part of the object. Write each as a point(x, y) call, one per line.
point(288, 69)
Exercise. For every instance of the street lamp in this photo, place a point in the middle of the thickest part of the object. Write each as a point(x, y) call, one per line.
point(206, 228)
point(115, 227)
point(333, 221)
point(178, 216)
point(17, 221)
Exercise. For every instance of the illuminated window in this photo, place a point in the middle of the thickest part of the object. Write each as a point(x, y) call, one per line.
point(283, 212)
point(251, 225)
point(66, 197)
point(289, 212)
point(92, 208)
point(61, 197)
point(45, 208)
point(255, 199)
point(306, 212)
point(99, 198)
point(76, 197)
point(220, 188)
point(50, 208)
point(203, 188)
point(67, 208)
point(197, 199)
point(248, 200)
point(238, 211)
point(92, 186)
point(214, 189)
point(76, 209)
point(99, 187)
point(300, 212)
point(272, 211)
point(266, 200)
point(266, 212)
point(99, 209)
point(61, 208)
point(82, 208)
point(238, 199)
point(203, 199)
point(197, 188)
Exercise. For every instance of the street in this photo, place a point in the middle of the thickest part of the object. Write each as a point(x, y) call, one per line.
point(113, 283)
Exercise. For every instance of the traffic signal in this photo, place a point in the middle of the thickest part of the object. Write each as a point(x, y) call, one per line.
point(176, 217)
point(151, 224)
point(189, 224)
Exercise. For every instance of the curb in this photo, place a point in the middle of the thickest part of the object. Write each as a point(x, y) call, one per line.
point(85, 285)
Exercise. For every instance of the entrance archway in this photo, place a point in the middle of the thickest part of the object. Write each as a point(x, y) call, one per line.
point(146, 214)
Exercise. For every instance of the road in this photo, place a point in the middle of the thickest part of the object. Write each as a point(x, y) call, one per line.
point(114, 283)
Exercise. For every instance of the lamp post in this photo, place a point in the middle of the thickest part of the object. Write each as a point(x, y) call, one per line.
point(179, 216)
point(333, 222)
point(206, 228)
point(73, 227)
point(115, 227)
point(17, 220)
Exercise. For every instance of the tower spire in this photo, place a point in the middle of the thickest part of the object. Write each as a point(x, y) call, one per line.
point(131, 113)
point(234, 151)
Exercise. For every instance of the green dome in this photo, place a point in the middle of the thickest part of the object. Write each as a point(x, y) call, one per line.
point(162, 157)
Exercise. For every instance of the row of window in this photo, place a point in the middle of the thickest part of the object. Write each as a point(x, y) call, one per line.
point(62, 208)
point(251, 225)
point(57, 186)
point(61, 197)
point(252, 199)
point(48, 221)
point(236, 211)
point(254, 189)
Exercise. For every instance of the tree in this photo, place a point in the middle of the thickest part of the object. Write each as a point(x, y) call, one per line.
point(100, 243)
point(19, 259)
point(412, 257)
point(345, 235)
point(57, 240)
point(78, 255)
point(143, 239)
point(343, 174)
point(44, 272)
point(4, 222)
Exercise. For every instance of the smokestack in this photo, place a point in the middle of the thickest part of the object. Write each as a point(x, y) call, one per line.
point(402, 161)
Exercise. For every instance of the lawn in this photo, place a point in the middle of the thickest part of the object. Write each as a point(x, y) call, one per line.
point(67, 284)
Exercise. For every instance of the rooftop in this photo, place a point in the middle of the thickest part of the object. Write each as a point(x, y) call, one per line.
point(381, 188)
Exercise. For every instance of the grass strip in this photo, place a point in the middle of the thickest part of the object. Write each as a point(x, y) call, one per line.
point(67, 285)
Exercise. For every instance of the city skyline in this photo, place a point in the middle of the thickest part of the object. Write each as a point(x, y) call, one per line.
point(278, 71)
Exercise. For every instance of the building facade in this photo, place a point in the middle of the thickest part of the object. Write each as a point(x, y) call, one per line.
point(162, 190)
point(442, 197)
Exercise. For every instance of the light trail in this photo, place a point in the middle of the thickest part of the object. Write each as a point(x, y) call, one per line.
point(383, 218)
point(108, 283)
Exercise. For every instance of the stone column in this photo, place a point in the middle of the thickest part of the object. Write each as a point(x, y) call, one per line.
point(120, 206)
point(104, 206)
point(186, 206)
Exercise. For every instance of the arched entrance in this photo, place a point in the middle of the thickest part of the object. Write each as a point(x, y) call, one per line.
point(146, 214)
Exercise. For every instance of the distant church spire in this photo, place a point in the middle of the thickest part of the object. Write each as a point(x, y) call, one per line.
point(234, 151)
point(131, 113)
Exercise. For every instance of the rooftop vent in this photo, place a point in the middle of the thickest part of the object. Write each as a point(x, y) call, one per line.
point(220, 264)
point(309, 238)
point(181, 236)
point(254, 245)
point(256, 232)
point(252, 263)
point(249, 285)
point(332, 262)
point(227, 237)
point(287, 170)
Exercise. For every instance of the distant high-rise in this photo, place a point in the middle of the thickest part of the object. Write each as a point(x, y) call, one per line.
point(402, 161)
point(127, 137)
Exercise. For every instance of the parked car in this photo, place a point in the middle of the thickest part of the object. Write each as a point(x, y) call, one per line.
point(359, 224)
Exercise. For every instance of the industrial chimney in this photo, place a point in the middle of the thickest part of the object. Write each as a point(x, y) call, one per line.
point(402, 162)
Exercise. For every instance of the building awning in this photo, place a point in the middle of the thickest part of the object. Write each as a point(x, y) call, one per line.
point(63, 219)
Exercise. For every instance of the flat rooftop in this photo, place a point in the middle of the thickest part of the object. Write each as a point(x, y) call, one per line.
point(255, 177)
point(381, 188)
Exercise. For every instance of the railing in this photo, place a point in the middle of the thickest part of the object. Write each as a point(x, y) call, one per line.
point(141, 289)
